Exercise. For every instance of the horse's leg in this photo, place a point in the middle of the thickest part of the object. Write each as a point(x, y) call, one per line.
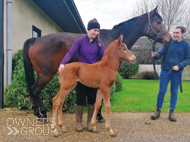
point(54, 114)
point(41, 81)
point(36, 109)
point(107, 107)
point(35, 104)
point(60, 112)
point(58, 101)
point(97, 107)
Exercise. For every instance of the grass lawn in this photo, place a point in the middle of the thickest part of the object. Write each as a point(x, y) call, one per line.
point(141, 95)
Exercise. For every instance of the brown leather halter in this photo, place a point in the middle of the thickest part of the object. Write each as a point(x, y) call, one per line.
point(150, 28)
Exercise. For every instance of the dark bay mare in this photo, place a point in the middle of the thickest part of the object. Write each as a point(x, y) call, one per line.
point(44, 54)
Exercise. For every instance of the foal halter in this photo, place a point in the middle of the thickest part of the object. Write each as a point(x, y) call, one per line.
point(150, 28)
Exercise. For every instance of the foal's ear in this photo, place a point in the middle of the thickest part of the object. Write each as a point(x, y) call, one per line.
point(120, 39)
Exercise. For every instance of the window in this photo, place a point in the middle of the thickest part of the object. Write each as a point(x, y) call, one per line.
point(36, 32)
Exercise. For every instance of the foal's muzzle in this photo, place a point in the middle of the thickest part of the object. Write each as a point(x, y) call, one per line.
point(132, 59)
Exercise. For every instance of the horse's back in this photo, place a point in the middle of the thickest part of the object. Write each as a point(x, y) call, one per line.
point(48, 51)
point(57, 39)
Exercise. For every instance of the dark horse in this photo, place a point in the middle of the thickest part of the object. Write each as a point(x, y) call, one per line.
point(45, 53)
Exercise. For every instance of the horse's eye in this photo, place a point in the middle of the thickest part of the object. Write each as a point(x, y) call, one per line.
point(159, 22)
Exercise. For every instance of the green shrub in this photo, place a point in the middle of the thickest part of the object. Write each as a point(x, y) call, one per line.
point(148, 75)
point(112, 90)
point(17, 95)
point(128, 69)
point(118, 83)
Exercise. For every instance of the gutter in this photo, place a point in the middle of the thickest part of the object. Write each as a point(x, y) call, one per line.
point(9, 41)
point(73, 15)
point(1, 53)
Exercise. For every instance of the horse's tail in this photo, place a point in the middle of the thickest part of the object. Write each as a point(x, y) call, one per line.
point(28, 67)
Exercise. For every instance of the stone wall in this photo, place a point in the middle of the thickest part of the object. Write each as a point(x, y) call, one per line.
point(145, 67)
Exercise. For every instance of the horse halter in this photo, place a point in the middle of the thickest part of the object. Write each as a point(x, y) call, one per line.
point(150, 28)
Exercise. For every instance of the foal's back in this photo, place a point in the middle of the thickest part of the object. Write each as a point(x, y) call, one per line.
point(91, 75)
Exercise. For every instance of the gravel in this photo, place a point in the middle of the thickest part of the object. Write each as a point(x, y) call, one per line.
point(20, 126)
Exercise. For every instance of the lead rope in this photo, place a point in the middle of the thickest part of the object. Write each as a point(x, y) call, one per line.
point(170, 71)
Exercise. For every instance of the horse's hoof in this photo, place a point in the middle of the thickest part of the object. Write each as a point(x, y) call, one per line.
point(39, 119)
point(44, 120)
point(64, 130)
point(114, 135)
point(56, 134)
point(95, 131)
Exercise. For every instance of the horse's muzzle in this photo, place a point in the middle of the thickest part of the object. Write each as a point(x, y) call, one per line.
point(132, 59)
point(166, 43)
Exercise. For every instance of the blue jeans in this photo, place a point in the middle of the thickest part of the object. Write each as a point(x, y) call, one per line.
point(163, 84)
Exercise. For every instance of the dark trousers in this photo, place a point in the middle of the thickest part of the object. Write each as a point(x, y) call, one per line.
point(82, 92)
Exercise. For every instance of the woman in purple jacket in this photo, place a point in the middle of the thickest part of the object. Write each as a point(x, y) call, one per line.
point(90, 49)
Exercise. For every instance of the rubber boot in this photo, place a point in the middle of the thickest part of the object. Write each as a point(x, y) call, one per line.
point(156, 114)
point(89, 117)
point(79, 114)
point(172, 116)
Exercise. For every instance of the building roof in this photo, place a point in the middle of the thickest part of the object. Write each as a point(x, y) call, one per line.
point(64, 13)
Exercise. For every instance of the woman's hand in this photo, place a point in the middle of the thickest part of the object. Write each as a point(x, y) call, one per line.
point(154, 54)
point(60, 69)
point(175, 68)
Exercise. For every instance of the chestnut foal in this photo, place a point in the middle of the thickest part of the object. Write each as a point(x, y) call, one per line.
point(99, 75)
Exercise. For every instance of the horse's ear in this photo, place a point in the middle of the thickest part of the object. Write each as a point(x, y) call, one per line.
point(154, 11)
point(120, 39)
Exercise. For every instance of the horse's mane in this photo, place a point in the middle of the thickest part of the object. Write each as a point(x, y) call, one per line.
point(108, 50)
point(129, 22)
point(127, 25)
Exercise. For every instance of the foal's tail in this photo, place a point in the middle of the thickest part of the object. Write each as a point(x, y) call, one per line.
point(28, 65)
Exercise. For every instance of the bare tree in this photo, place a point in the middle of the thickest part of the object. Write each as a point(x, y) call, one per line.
point(173, 12)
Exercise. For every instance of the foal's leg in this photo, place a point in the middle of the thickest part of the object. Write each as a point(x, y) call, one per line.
point(54, 113)
point(107, 107)
point(64, 94)
point(97, 105)
point(58, 101)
